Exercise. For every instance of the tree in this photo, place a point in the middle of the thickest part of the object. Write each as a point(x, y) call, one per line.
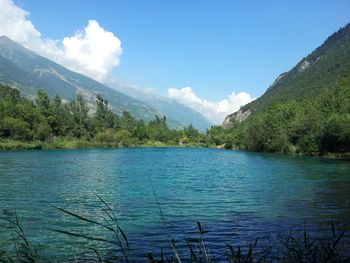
point(42, 101)
point(61, 119)
point(79, 110)
point(104, 116)
point(336, 136)
point(14, 128)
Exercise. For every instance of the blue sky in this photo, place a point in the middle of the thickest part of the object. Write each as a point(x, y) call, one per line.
point(212, 56)
point(216, 47)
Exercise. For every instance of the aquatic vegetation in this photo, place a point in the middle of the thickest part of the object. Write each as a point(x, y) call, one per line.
point(22, 249)
point(292, 247)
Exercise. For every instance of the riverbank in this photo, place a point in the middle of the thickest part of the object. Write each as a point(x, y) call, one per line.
point(64, 143)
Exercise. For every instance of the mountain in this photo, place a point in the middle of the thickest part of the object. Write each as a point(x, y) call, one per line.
point(305, 111)
point(29, 72)
point(322, 69)
point(171, 108)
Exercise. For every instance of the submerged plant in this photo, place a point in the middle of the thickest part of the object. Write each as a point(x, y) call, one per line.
point(119, 240)
point(22, 249)
point(291, 247)
point(306, 249)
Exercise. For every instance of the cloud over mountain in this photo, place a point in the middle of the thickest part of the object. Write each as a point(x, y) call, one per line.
point(215, 111)
point(92, 51)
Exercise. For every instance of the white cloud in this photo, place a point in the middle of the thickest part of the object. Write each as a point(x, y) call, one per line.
point(14, 23)
point(216, 111)
point(150, 91)
point(92, 51)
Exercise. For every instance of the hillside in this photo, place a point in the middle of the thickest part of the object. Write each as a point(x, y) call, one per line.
point(29, 72)
point(305, 111)
point(171, 108)
point(322, 69)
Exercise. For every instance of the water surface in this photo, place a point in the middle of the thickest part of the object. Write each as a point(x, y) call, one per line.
point(236, 195)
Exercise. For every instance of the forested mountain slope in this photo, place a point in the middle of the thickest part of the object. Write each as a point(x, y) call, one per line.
point(322, 69)
point(306, 110)
point(29, 72)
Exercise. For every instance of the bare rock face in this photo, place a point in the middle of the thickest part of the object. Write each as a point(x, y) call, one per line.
point(238, 116)
point(278, 78)
point(304, 65)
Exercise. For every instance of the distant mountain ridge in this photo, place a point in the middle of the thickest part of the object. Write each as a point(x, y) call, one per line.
point(29, 72)
point(321, 69)
point(173, 109)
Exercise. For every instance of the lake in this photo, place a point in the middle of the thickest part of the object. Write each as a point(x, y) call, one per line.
point(237, 196)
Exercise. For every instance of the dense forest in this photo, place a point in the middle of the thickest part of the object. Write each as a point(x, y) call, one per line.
point(316, 126)
point(54, 123)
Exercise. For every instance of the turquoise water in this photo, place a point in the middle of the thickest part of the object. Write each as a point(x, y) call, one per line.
point(237, 196)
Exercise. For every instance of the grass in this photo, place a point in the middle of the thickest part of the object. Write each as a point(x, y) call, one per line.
point(20, 145)
point(297, 247)
point(73, 143)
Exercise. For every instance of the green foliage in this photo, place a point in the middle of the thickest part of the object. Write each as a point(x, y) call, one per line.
point(14, 128)
point(42, 102)
point(58, 124)
point(306, 110)
point(104, 117)
point(215, 135)
point(336, 135)
point(314, 127)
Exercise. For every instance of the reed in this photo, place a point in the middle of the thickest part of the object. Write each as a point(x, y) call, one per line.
point(291, 247)
point(22, 250)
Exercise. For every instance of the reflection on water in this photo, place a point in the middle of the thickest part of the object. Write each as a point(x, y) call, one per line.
point(237, 195)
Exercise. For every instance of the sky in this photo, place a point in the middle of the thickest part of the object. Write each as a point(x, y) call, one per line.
point(213, 56)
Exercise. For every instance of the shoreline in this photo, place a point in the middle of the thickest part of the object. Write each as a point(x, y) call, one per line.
point(15, 145)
